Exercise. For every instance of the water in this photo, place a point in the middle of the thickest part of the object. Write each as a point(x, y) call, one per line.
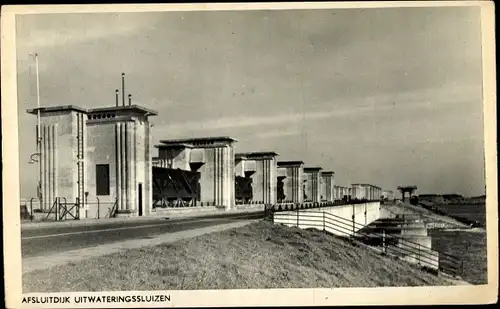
point(475, 212)
point(469, 245)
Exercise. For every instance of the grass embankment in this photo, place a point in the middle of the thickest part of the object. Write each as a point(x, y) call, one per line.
point(260, 255)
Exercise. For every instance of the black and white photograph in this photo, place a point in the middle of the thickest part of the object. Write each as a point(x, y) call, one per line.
point(251, 148)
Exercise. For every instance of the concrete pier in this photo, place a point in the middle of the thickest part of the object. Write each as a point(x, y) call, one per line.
point(327, 186)
point(312, 184)
point(213, 157)
point(262, 168)
point(365, 192)
point(292, 175)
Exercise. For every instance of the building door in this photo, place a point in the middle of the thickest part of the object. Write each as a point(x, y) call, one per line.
point(139, 194)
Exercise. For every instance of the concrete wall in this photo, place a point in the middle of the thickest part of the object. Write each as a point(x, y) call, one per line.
point(124, 145)
point(364, 214)
point(59, 155)
point(175, 158)
point(217, 177)
point(101, 149)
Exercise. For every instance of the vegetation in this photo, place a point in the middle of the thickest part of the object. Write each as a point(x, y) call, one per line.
point(260, 255)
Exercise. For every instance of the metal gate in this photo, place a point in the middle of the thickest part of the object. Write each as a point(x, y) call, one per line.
point(243, 189)
point(175, 187)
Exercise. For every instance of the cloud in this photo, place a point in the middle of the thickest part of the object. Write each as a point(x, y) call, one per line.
point(430, 100)
point(63, 30)
point(278, 133)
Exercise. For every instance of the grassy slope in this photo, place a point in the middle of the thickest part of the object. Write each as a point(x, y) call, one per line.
point(260, 255)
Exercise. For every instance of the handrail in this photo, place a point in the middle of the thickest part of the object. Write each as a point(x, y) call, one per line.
point(348, 230)
point(112, 209)
point(54, 204)
point(345, 226)
point(405, 242)
point(31, 208)
point(361, 226)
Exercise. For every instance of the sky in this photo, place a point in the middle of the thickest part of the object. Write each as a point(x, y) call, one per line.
point(386, 96)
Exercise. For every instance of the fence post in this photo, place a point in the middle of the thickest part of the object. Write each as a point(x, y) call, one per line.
point(353, 220)
point(57, 209)
point(98, 207)
point(383, 241)
point(418, 255)
point(31, 209)
point(366, 219)
point(324, 227)
point(297, 218)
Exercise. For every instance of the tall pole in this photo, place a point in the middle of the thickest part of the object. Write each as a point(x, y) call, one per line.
point(38, 129)
point(123, 89)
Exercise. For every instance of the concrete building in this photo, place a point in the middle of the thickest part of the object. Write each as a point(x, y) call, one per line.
point(343, 192)
point(336, 190)
point(312, 184)
point(388, 195)
point(263, 169)
point(291, 174)
point(96, 154)
point(327, 186)
point(365, 192)
point(212, 157)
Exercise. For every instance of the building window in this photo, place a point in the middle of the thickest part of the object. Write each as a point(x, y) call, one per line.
point(102, 179)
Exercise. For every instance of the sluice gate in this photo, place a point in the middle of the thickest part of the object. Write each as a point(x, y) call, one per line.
point(243, 189)
point(175, 187)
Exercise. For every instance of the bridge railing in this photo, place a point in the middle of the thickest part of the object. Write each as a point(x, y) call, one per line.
point(287, 206)
point(390, 244)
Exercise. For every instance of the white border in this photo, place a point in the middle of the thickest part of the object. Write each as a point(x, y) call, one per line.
point(269, 297)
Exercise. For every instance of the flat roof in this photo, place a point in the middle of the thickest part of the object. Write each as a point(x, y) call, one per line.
point(174, 146)
point(60, 108)
point(135, 108)
point(288, 163)
point(240, 156)
point(257, 154)
point(365, 184)
point(312, 169)
point(198, 140)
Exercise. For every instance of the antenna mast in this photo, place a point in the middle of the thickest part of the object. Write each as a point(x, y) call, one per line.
point(38, 129)
point(37, 100)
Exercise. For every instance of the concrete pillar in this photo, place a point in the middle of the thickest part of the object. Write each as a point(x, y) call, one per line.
point(119, 169)
point(215, 164)
point(263, 169)
point(293, 183)
point(56, 159)
point(45, 168)
point(148, 179)
point(328, 186)
point(312, 176)
point(123, 200)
